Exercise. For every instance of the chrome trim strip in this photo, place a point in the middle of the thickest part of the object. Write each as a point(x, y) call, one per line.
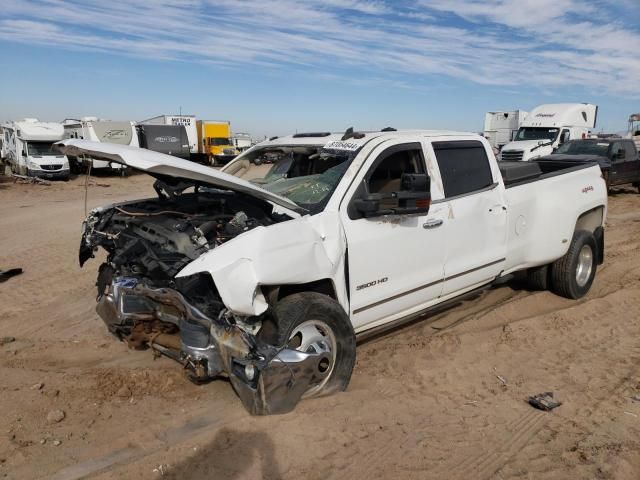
point(462, 195)
point(422, 287)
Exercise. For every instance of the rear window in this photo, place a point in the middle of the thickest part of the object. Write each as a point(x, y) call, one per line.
point(464, 167)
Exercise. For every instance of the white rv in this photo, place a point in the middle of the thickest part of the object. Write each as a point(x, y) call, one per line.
point(98, 130)
point(501, 127)
point(549, 126)
point(187, 121)
point(27, 149)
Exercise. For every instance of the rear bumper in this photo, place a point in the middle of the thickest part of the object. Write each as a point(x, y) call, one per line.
point(269, 379)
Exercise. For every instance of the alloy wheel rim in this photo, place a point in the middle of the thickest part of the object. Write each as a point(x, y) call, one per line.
point(585, 265)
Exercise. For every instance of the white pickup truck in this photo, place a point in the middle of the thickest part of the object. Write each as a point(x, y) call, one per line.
point(265, 272)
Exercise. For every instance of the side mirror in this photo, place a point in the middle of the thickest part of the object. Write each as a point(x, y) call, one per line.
point(413, 198)
point(620, 153)
point(24, 153)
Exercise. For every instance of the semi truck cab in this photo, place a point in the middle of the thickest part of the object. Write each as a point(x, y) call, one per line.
point(549, 126)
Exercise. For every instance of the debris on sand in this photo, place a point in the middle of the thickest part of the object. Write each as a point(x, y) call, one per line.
point(544, 401)
point(55, 416)
point(5, 340)
point(7, 274)
point(32, 180)
point(37, 386)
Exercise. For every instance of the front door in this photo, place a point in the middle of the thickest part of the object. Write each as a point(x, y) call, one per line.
point(396, 262)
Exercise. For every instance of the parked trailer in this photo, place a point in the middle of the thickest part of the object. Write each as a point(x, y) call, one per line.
point(214, 141)
point(242, 141)
point(500, 127)
point(549, 126)
point(169, 139)
point(187, 121)
point(104, 131)
point(26, 148)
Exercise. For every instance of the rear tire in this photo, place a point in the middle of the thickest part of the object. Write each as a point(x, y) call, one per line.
point(303, 312)
point(573, 274)
point(538, 277)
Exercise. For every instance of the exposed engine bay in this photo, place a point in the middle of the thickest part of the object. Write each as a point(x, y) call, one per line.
point(156, 238)
point(144, 304)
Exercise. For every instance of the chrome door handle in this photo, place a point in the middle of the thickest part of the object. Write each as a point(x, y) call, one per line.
point(432, 223)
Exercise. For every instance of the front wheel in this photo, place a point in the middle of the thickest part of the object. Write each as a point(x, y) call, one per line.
point(573, 274)
point(314, 323)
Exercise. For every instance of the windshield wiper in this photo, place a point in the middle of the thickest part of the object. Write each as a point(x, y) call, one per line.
point(542, 145)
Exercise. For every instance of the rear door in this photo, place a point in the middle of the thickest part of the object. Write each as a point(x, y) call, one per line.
point(632, 162)
point(476, 224)
point(395, 262)
point(619, 172)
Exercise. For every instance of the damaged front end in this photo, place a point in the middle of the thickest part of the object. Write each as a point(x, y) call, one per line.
point(269, 379)
point(146, 304)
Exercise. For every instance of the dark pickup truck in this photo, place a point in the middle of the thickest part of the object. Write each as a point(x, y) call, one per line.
point(618, 158)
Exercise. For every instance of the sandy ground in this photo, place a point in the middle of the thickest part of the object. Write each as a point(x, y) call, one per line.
point(425, 401)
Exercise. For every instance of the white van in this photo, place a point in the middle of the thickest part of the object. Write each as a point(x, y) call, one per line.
point(27, 149)
point(549, 126)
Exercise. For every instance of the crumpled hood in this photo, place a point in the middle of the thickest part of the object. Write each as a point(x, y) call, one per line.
point(155, 164)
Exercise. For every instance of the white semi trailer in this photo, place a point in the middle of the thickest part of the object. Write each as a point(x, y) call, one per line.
point(27, 149)
point(500, 128)
point(242, 141)
point(549, 126)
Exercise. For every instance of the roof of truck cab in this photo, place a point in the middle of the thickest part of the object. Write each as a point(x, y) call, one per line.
point(321, 141)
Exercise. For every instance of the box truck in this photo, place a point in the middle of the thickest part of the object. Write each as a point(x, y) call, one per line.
point(549, 126)
point(169, 139)
point(26, 148)
point(98, 130)
point(214, 142)
point(500, 127)
point(187, 121)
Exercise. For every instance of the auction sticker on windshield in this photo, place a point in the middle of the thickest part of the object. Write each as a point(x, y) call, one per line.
point(341, 145)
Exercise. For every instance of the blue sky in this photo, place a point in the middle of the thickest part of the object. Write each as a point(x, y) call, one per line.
point(274, 67)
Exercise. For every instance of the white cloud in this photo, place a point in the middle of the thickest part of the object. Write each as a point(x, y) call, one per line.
point(542, 44)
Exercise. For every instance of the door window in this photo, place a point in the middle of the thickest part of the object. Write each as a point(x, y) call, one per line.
point(387, 171)
point(615, 150)
point(385, 175)
point(630, 151)
point(464, 167)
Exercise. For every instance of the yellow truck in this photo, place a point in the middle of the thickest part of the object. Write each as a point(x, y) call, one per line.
point(215, 144)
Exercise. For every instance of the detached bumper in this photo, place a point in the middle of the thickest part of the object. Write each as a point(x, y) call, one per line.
point(269, 379)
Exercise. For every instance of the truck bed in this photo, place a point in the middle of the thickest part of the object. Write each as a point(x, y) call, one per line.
point(519, 173)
